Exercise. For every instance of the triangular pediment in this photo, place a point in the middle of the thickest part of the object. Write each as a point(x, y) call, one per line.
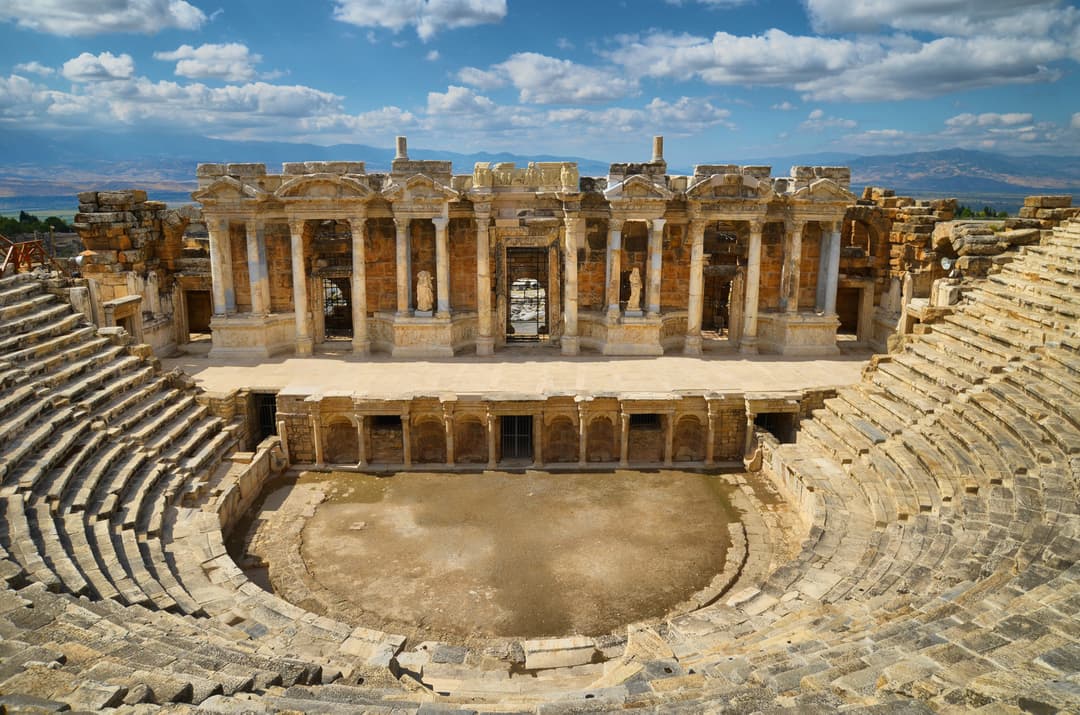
point(730, 186)
point(824, 190)
point(419, 187)
point(323, 186)
point(637, 187)
point(228, 189)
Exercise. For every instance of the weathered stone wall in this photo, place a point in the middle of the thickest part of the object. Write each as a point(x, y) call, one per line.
point(381, 274)
point(808, 266)
point(591, 270)
point(675, 272)
point(279, 265)
point(462, 245)
point(423, 255)
point(238, 251)
point(772, 261)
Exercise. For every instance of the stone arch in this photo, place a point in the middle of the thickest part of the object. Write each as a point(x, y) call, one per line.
point(600, 440)
point(688, 443)
point(470, 441)
point(341, 443)
point(429, 441)
point(561, 441)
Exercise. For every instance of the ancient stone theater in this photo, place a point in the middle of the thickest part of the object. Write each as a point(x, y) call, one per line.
point(521, 440)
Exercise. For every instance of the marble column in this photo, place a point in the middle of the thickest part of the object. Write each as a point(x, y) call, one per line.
point(221, 275)
point(694, 305)
point(361, 345)
point(485, 342)
point(624, 439)
point(748, 343)
point(656, 260)
point(258, 278)
point(402, 259)
point(448, 425)
point(832, 270)
point(493, 454)
point(300, 290)
point(614, 267)
point(570, 340)
point(792, 266)
point(583, 436)
point(710, 434)
point(442, 269)
point(361, 442)
point(538, 439)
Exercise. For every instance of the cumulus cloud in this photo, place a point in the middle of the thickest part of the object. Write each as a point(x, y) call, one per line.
point(35, 67)
point(540, 79)
point(457, 100)
point(784, 106)
point(989, 119)
point(817, 121)
point(427, 16)
point(940, 17)
point(105, 66)
point(92, 17)
point(232, 62)
point(432, 56)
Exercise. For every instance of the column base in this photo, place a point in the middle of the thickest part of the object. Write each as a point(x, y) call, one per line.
point(571, 345)
point(748, 345)
point(485, 345)
point(304, 346)
point(443, 314)
point(692, 346)
point(361, 348)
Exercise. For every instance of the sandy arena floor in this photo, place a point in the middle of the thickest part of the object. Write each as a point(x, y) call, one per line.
point(461, 557)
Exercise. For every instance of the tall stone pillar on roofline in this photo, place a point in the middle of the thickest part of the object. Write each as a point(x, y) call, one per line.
point(570, 340)
point(401, 261)
point(485, 342)
point(614, 267)
point(692, 344)
point(300, 289)
point(221, 266)
point(442, 268)
point(257, 273)
point(360, 342)
point(748, 343)
point(656, 258)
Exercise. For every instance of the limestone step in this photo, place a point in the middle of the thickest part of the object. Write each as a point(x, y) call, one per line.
point(855, 402)
point(916, 382)
point(81, 493)
point(943, 339)
point(900, 390)
point(62, 482)
point(18, 291)
point(34, 476)
point(984, 303)
point(51, 353)
point(1007, 428)
point(42, 311)
point(929, 349)
point(36, 436)
point(21, 546)
point(126, 400)
point(1059, 301)
point(100, 378)
point(20, 341)
point(932, 372)
point(54, 552)
point(976, 336)
point(100, 537)
point(29, 304)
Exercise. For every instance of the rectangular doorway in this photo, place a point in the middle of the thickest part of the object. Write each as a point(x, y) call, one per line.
point(527, 304)
point(199, 311)
point(337, 308)
point(265, 414)
point(517, 436)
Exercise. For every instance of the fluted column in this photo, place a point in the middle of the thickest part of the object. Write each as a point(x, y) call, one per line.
point(258, 278)
point(832, 270)
point(656, 259)
point(221, 275)
point(442, 269)
point(570, 341)
point(360, 342)
point(692, 344)
point(748, 343)
point(792, 266)
point(614, 267)
point(485, 343)
point(401, 260)
point(300, 290)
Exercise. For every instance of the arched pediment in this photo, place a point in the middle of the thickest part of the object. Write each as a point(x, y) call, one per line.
point(730, 186)
point(323, 186)
point(637, 187)
point(228, 189)
point(824, 190)
point(419, 187)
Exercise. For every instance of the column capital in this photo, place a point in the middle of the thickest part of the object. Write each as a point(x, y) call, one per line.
point(254, 224)
point(757, 225)
point(402, 222)
point(296, 226)
point(615, 223)
point(658, 224)
point(794, 225)
point(358, 222)
point(482, 211)
point(440, 223)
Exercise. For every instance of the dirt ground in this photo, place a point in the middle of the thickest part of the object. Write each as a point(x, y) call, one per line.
point(461, 557)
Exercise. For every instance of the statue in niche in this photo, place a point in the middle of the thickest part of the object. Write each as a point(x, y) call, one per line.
point(424, 295)
point(634, 303)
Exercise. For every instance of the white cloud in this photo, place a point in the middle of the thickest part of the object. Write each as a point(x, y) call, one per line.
point(564, 44)
point(35, 67)
point(817, 121)
point(784, 106)
point(232, 62)
point(432, 56)
point(540, 79)
point(105, 66)
point(457, 100)
point(92, 17)
point(427, 16)
point(1075, 123)
point(1000, 132)
point(989, 119)
point(940, 17)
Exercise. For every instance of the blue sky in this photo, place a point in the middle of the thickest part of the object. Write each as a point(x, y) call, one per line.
point(721, 79)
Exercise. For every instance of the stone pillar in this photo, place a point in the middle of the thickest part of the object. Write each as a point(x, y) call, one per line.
point(442, 269)
point(656, 259)
point(300, 290)
point(361, 442)
point(624, 439)
point(360, 342)
point(538, 439)
point(221, 275)
point(692, 344)
point(748, 343)
point(401, 261)
point(258, 277)
point(316, 429)
point(789, 294)
point(823, 269)
point(583, 436)
point(832, 270)
point(614, 267)
point(570, 340)
point(710, 434)
point(492, 451)
point(406, 439)
point(448, 425)
point(485, 343)
point(749, 440)
point(669, 438)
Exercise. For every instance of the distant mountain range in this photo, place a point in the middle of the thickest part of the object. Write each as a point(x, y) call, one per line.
point(42, 170)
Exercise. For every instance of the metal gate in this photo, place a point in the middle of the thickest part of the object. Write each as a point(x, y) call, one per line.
point(337, 308)
point(527, 282)
point(517, 436)
point(266, 408)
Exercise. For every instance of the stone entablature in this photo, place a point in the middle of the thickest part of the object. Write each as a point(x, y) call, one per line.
point(464, 232)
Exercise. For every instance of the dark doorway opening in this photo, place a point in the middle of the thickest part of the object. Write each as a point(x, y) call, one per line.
point(527, 283)
point(337, 308)
point(780, 424)
point(847, 309)
point(265, 414)
point(517, 436)
point(200, 308)
point(716, 306)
